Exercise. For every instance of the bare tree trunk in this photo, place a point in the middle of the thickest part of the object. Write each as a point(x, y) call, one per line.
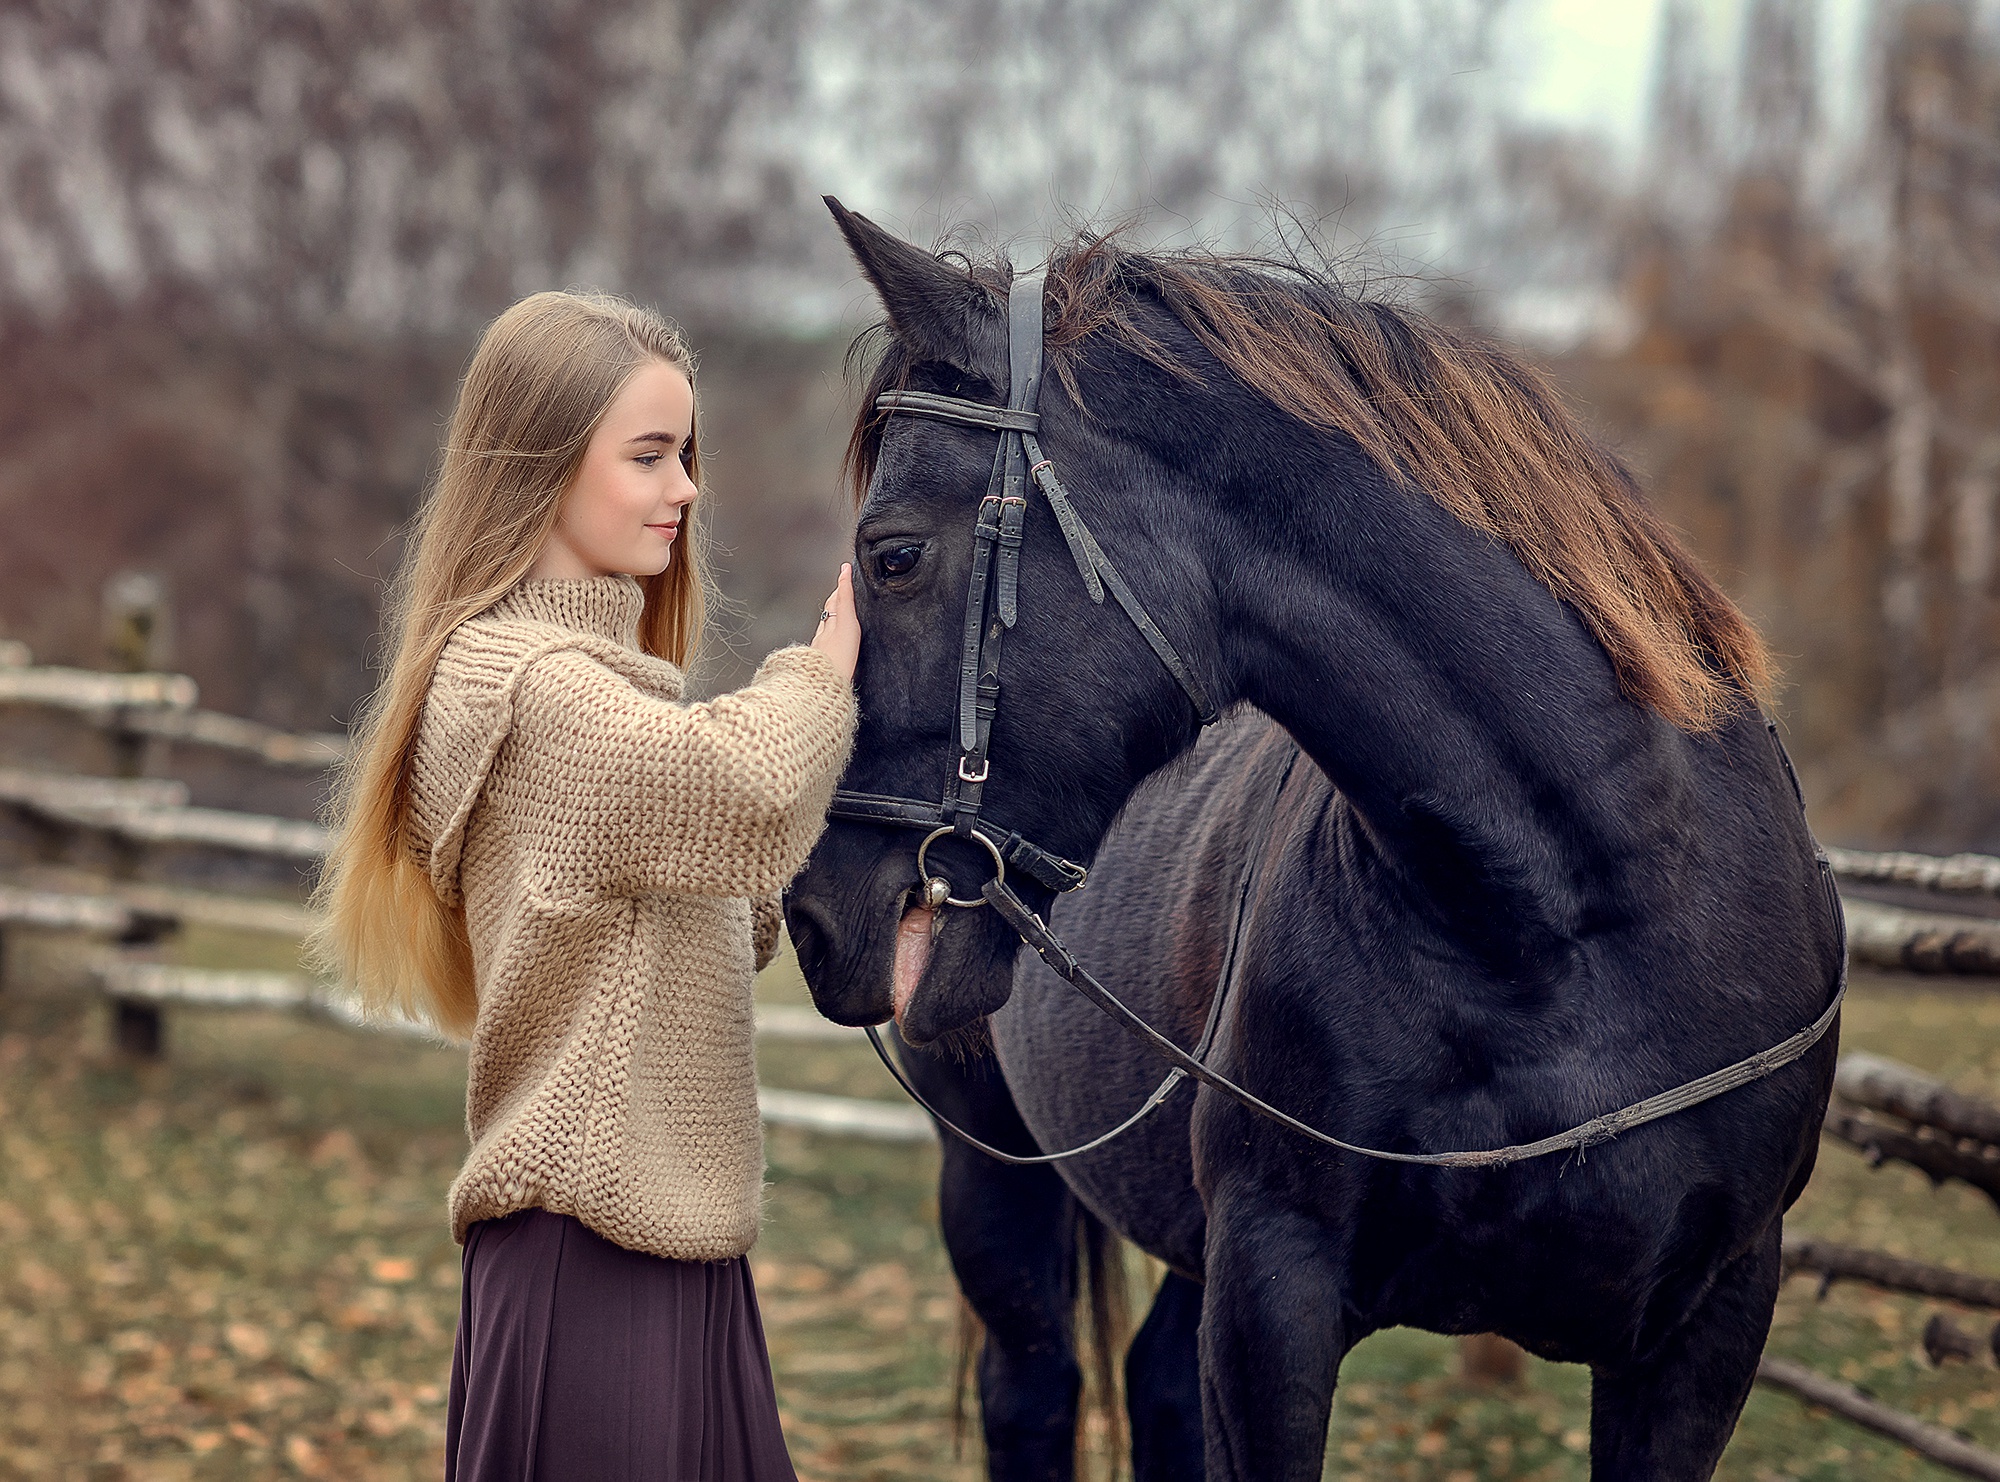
point(1973, 541)
point(269, 580)
point(1909, 465)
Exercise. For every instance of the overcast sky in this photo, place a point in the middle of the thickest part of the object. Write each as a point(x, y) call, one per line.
point(1588, 63)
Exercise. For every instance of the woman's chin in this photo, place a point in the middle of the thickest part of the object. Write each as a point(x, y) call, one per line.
point(650, 564)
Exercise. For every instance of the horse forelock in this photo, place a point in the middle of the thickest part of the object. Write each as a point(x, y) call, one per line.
point(1476, 428)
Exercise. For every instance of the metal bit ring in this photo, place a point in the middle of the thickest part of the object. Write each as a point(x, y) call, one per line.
point(936, 889)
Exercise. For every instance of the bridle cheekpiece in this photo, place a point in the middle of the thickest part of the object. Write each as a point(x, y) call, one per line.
point(992, 606)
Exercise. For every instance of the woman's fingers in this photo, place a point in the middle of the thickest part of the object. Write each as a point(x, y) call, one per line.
point(839, 633)
point(840, 599)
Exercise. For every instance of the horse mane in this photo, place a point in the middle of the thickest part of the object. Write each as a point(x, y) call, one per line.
point(1438, 408)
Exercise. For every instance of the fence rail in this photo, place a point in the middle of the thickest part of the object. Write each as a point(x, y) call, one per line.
point(156, 811)
point(312, 752)
point(1947, 1448)
point(64, 910)
point(1957, 874)
point(1886, 1085)
point(162, 705)
point(1921, 941)
point(126, 982)
point(1831, 1263)
point(93, 691)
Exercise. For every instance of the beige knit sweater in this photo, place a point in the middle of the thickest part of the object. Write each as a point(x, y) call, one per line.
point(606, 841)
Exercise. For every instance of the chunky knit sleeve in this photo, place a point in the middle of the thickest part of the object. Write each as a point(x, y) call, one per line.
point(767, 925)
point(614, 791)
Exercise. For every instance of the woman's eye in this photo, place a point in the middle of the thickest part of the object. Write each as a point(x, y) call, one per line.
point(898, 560)
point(647, 460)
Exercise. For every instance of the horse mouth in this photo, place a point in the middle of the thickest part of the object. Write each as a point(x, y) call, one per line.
point(915, 935)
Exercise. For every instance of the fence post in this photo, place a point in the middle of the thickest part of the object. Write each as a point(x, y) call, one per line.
point(135, 1028)
point(1488, 1358)
point(135, 641)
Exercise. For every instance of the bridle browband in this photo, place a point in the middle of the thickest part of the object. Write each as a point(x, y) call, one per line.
point(992, 601)
point(992, 605)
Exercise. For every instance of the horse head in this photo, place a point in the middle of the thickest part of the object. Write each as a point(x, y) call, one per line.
point(1387, 534)
point(1085, 709)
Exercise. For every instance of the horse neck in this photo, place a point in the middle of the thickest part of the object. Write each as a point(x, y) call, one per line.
point(1472, 721)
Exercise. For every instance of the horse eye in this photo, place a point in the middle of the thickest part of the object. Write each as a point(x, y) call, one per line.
point(898, 560)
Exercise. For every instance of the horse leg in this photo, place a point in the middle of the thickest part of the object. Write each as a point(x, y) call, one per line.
point(1010, 1233)
point(1273, 1333)
point(1163, 1386)
point(1666, 1418)
point(1006, 1230)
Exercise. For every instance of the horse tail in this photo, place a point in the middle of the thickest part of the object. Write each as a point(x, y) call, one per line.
point(1102, 1330)
point(971, 1334)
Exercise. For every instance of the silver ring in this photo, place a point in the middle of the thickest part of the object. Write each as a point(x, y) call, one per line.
point(825, 616)
point(923, 872)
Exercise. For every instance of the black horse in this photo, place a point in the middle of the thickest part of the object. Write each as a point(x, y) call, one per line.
point(1541, 859)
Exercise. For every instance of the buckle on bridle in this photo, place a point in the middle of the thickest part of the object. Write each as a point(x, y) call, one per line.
point(937, 889)
point(985, 767)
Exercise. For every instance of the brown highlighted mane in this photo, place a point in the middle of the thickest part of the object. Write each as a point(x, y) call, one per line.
point(1437, 408)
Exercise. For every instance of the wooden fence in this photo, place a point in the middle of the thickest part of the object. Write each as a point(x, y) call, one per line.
point(160, 858)
point(1896, 1113)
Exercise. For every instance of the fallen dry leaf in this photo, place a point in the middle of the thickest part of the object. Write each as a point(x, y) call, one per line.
point(251, 1342)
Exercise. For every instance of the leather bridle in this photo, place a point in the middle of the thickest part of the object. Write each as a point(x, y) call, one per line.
point(992, 604)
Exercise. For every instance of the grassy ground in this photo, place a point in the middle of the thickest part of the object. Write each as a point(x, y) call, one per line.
point(233, 1264)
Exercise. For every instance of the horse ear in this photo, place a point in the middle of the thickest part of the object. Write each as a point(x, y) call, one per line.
point(935, 309)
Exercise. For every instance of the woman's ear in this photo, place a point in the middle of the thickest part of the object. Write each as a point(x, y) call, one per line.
point(934, 308)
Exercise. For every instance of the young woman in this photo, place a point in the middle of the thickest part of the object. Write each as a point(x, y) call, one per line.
point(542, 847)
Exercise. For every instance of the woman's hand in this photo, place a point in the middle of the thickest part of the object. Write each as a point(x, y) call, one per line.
point(839, 633)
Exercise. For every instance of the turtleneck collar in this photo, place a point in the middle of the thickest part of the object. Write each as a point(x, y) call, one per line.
point(608, 606)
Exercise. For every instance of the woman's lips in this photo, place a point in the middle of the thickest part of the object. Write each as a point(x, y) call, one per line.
point(665, 532)
point(913, 955)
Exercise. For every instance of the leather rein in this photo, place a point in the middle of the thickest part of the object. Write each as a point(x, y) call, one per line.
point(992, 604)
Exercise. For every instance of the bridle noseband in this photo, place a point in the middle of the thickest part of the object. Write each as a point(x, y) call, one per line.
point(992, 606)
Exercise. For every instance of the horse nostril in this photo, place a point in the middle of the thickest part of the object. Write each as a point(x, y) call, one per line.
point(810, 938)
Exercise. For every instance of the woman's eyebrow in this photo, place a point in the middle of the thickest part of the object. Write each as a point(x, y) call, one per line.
point(655, 437)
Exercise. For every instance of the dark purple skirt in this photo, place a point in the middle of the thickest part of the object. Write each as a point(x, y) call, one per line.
point(579, 1359)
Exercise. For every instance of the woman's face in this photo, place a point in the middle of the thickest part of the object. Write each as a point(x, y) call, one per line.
point(624, 510)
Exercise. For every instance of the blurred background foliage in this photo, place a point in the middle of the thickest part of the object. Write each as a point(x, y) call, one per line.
point(244, 251)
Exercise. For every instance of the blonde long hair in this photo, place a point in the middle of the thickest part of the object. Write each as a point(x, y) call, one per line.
point(535, 391)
